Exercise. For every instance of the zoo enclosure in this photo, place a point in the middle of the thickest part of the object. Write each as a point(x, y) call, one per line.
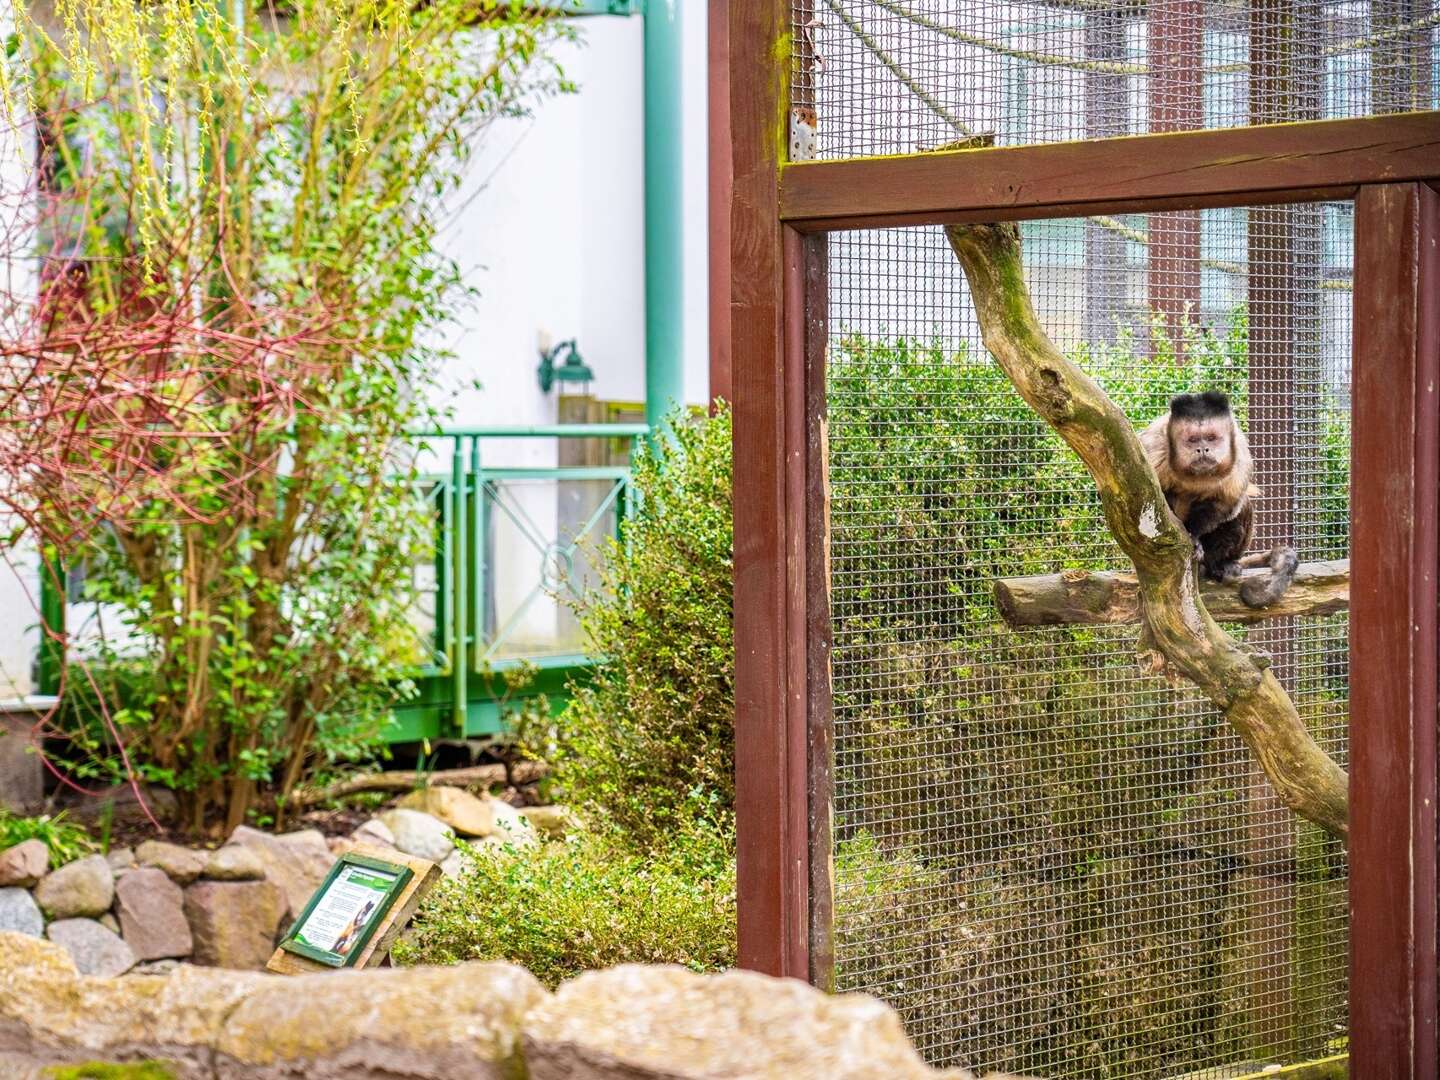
point(785, 265)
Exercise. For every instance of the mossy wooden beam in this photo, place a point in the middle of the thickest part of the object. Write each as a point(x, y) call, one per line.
point(1186, 640)
point(1104, 597)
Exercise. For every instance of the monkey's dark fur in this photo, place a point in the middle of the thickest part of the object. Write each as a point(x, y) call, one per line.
point(1203, 461)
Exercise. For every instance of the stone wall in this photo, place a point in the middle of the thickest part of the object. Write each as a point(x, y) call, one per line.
point(148, 908)
point(486, 1021)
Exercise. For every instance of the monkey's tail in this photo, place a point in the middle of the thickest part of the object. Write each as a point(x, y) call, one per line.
point(1259, 592)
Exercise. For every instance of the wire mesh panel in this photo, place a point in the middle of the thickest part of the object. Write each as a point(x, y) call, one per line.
point(896, 76)
point(1047, 861)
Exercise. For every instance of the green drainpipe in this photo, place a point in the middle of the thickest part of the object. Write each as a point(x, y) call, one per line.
point(664, 277)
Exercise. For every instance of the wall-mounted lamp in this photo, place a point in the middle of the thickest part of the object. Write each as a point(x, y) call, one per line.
point(572, 370)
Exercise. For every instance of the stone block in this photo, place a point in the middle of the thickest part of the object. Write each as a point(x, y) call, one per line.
point(151, 908)
point(233, 923)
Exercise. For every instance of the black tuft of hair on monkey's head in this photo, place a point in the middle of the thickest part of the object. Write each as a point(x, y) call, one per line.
point(1206, 406)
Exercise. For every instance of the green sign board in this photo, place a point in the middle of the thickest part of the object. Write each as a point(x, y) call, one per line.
point(346, 910)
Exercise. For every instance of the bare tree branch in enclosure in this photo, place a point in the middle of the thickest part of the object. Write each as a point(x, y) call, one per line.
point(1179, 636)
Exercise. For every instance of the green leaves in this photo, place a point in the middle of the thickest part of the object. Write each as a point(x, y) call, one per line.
point(646, 748)
point(264, 200)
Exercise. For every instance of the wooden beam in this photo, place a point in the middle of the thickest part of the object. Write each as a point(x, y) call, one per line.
point(1395, 539)
point(1105, 597)
point(767, 378)
point(1177, 170)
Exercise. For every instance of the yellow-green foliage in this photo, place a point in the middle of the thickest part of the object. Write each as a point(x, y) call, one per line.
point(582, 904)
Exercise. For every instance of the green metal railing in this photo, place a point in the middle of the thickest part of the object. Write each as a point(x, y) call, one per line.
point(484, 596)
point(502, 570)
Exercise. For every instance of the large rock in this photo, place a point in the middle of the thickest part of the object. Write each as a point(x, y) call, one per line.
point(374, 831)
point(668, 1023)
point(233, 923)
point(51, 1015)
point(95, 950)
point(419, 834)
point(24, 864)
point(456, 807)
point(19, 913)
point(181, 864)
point(84, 888)
point(460, 1022)
point(297, 862)
point(151, 908)
point(235, 862)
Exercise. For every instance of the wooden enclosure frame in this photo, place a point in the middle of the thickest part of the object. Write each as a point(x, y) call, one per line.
point(774, 338)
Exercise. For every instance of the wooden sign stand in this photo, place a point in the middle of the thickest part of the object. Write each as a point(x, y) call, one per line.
point(376, 950)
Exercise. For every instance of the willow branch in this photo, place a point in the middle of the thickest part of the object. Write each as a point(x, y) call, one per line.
point(1186, 637)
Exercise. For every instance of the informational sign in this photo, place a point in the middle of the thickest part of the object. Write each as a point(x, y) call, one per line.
point(346, 910)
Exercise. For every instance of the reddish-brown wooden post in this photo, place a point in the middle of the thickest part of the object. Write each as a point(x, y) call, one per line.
point(768, 381)
point(718, 151)
point(1393, 651)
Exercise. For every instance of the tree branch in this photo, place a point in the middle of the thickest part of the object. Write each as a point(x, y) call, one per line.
point(1105, 597)
point(1186, 637)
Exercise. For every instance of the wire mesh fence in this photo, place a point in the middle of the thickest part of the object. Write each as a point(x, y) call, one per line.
point(897, 76)
point(1048, 862)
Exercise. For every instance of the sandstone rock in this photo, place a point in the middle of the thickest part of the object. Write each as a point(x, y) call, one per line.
point(121, 859)
point(553, 821)
point(156, 967)
point(234, 862)
point(668, 1023)
point(460, 1022)
point(95, 950)
point(374, 831)
point(296, 862)
point(233, 923)
point(182, 864)
point(19, 913)
point(419, 834)
point(510, 824)
point(109, 921)
point(152, 915)
point(24, 864)
point(55, 1015)
point(456, 807)
point(24, 956)
point(81, 889)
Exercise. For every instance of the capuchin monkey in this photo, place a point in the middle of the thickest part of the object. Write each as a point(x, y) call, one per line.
point(1203, 461)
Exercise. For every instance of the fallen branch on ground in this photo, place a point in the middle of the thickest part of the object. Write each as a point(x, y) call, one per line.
point(522, 772)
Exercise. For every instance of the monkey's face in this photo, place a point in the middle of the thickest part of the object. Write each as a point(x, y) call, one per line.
point(1201, 447)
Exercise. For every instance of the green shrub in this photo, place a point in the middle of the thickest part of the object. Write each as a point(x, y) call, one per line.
point(66, 840)
point(583, 903)
point(647, 747)
point(244, 500)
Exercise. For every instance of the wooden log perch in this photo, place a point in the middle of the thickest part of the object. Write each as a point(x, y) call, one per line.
point(1104, 597)
point(1183, 638)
